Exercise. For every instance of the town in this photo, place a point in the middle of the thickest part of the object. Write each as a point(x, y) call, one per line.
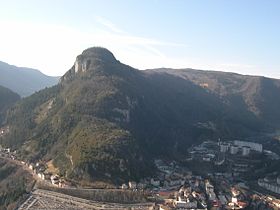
point(213, 175)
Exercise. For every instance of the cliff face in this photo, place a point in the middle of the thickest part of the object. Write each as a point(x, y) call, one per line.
point(89, 60)
point(92, 57)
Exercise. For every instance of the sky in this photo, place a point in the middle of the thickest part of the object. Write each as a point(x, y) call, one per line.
point(241, 36)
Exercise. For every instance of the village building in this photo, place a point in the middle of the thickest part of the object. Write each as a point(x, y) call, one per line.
point(155, 182)
point(124, 186)
point(132, 184)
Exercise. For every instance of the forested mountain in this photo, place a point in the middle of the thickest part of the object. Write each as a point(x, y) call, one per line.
point(7, 99)
point(254, 95)
point(109, 120)
point(24, 81)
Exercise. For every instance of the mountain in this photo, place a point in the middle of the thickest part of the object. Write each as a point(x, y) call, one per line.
point(7, 99)
point(256, 94)
point(107, 120)
point(24, 81)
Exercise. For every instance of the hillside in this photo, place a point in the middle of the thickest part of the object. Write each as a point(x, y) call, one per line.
point(15, 184)
point(7, 98)
point(107, 120)
point(256, 94)
point(24, 81)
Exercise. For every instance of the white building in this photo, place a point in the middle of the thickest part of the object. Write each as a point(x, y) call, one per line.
point(246, 151)
point(55, 179)
point(254, 146)
point(41, 176)
point(31, 166)
point(180, 204)
point(224, 147)
point(124, 186)
point(206, 159)
point(233, 149)
point(132, 184)
point(272, 186)
point(185, 204)
point(155, 182)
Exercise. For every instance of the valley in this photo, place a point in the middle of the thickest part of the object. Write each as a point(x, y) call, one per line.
point(110, 133)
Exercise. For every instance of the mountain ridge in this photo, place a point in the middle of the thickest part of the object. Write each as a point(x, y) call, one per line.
point(23, 80)
point(107, 120)
point(244, 86)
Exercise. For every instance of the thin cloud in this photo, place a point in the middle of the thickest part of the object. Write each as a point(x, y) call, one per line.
point(121, 33)
point(121, 37)
point(53, 48)
point(108, 24)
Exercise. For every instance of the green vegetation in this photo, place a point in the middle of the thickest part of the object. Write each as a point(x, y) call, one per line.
point(22, 116)
point(14, 185)
point(108, 121)
point(7, 99)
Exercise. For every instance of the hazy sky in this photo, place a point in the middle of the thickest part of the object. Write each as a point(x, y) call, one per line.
point(231, 35)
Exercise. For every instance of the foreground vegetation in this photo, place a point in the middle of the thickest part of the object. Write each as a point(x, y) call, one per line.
point(15, 184)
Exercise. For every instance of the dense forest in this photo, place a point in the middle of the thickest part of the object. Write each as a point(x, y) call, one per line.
point(7, 99)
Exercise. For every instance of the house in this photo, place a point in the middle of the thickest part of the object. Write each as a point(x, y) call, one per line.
point(206, 159)
point(124, 186)
point(174, 182)
point(141, 185)
point(185, 203)
point(155, 182)
point(269, 185)
point(180, 204)
point(132, 184)
point(41, 176)
point(47, 176)
point(63, 184)
point(188, 175)
point(35, 171)
point(31, 166)
point(55, 180)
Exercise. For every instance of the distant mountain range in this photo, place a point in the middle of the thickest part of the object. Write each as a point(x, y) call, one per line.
point(107, 120)
point(24, 81)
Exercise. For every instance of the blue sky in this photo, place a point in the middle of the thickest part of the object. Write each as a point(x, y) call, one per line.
point(232, 35)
